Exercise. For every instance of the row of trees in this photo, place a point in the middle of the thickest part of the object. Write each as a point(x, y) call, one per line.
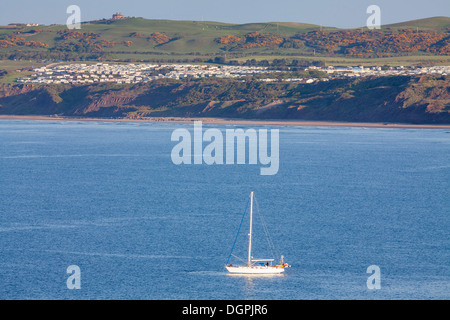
point(275, 63)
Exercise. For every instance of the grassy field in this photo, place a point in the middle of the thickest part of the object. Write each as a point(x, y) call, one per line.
point(435, 23)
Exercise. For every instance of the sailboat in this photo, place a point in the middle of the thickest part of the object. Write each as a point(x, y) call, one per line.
point(256, 266)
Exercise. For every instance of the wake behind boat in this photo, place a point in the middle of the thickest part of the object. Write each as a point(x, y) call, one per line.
point(255, 266)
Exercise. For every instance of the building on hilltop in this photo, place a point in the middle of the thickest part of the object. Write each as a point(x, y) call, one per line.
point(118, 16)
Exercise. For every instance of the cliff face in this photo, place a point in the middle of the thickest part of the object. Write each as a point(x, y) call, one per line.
point(423, 99)
point(8, 90)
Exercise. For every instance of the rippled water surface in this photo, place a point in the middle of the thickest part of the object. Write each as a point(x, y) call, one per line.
point(105, 196)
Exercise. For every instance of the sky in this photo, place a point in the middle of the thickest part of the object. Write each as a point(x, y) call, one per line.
point(333, 13)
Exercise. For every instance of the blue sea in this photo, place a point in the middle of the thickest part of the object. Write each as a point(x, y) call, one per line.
point(106, 197)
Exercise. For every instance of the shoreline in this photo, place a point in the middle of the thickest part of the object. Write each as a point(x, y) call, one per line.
point(235, 121)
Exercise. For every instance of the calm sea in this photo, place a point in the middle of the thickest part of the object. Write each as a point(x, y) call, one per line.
point(106, 197)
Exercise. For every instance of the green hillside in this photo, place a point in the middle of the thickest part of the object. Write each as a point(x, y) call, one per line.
point(139, 39)
point(435, 23)
point(188, 36)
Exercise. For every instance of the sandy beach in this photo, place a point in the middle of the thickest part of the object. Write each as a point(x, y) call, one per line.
point(222, 121)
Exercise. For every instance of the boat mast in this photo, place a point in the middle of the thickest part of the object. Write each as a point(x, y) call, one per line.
point(250, 232)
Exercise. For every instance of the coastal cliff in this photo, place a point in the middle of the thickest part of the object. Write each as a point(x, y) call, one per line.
point(401, 99)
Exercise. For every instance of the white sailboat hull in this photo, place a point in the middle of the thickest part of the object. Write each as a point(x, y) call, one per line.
point(255, 270)
point(258, 268)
